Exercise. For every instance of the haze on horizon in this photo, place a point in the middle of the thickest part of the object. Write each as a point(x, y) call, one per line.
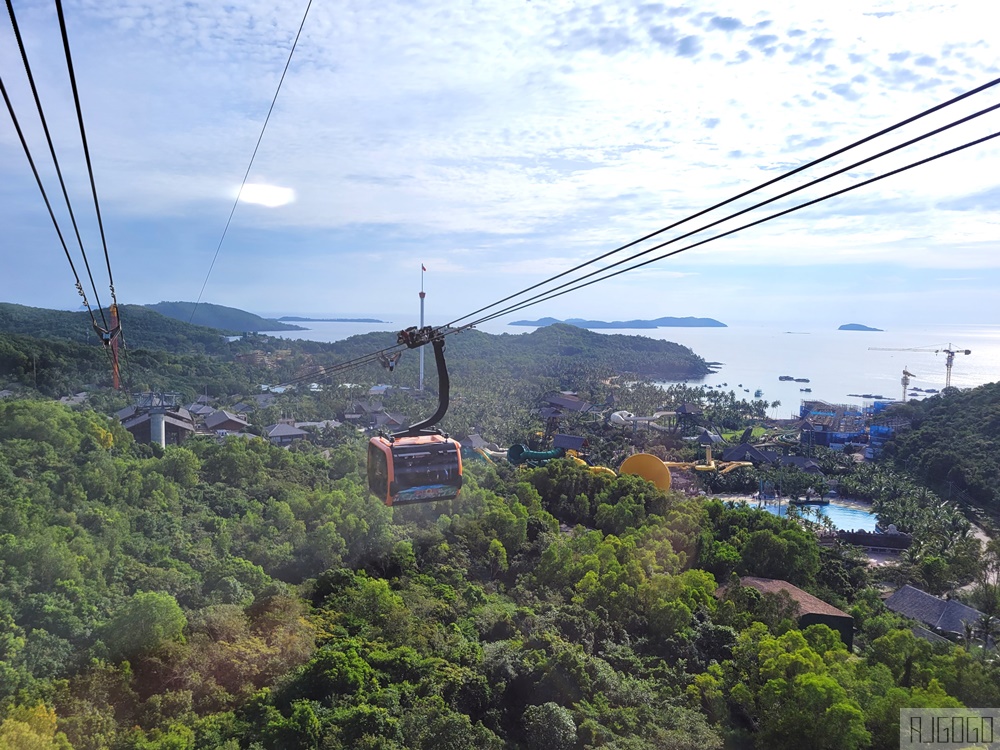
point(500, 145)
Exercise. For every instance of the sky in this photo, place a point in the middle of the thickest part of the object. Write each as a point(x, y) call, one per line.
point(500, 143)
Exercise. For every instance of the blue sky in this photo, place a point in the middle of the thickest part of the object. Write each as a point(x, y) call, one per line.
point(502, 142)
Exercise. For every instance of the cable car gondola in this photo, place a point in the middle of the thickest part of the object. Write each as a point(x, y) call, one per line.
point(419, 464)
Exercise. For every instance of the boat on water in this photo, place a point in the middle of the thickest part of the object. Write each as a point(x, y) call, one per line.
point(758, 393)
point(806, 390)
point(785, 377)
point(801, 380)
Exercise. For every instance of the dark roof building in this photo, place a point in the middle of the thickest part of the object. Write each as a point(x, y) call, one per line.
point(284, 434)
point(812, 610)
point(569, 402)
point(747, 452)
point(942, 616)
point(803, 463)
point(476, 442)
point(390, 421)
point(707, 437)
point(570, 442)
point(691, 410)
point(263, 400)
point(225, 420)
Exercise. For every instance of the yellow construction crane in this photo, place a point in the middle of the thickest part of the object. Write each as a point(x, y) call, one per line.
point(949, 360)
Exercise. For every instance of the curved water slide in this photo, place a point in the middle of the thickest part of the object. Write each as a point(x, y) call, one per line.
point(623, 418)
point(657, 471)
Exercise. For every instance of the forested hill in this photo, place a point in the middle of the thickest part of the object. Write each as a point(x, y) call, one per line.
point(953, 443)
point(144, 328)
point(219, 316)
point(168, 354)
point(555, 348)
point(220, 596)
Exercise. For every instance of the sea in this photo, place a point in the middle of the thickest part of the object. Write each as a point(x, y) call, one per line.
point(837, 363)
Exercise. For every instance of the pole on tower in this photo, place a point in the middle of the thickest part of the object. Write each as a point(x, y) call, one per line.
point(420, 386)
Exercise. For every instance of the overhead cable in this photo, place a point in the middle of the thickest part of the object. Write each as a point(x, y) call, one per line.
point(582, 282)
point(83, 138)
point(55, 158)
point(364, 359)
point(250, 165)
point(761, 186)
point(760, 204)
point(777, 215)
point(45, 197)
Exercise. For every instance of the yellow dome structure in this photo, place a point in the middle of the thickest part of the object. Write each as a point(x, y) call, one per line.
point(649, 467)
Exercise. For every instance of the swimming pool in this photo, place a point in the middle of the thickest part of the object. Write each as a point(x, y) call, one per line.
point(843, 516)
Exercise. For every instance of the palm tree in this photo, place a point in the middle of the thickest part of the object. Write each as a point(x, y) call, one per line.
point(989, 628)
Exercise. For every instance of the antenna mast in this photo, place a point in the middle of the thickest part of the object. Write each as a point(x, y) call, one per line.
point(420, 385)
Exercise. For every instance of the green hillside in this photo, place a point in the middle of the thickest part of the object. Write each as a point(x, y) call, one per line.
point(953, 444)
point(221, 317)
point(231, 595)
point(552, 350)
point(144, 328)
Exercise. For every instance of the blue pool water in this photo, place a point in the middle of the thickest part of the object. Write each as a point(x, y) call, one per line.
point(843, 516)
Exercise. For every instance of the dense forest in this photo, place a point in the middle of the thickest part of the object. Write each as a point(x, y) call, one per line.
point(239, 595)
point(146, 328)
point(233, 594)
point(561, 351)
point(953, 444)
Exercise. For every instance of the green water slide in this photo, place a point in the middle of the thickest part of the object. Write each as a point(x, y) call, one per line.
point(520, 454)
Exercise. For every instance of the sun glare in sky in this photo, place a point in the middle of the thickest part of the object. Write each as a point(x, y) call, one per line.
point(271, 196)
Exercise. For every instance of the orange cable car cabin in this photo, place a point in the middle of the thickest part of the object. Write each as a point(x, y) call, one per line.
point(411, 470)
point(419, 464)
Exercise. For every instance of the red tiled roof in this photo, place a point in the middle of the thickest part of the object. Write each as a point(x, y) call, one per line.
point(808, 604)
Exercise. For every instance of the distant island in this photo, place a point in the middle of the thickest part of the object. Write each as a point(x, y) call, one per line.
point(219, 316)
point(657, 323)
point(295, 319)
point(858, 327)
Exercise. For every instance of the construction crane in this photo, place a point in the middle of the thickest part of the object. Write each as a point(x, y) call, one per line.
point(949, 360)
point(906, 382)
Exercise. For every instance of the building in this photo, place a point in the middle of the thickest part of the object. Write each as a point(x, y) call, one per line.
point(178, 425)
point(812, 610)
point(571, 443)
point(570, 402)
point(284, 434)
point(199, 410)
point(758, 456)
point(688, 415)
point(947, 617)
point(832, 425)
point(225, 420)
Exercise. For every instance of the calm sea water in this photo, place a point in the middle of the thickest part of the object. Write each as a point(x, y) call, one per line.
point(837, 363)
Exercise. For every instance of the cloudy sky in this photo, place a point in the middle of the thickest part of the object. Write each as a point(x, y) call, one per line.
point(502, 141)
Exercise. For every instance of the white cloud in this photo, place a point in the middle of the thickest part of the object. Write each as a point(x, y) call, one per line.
point(536, 133)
